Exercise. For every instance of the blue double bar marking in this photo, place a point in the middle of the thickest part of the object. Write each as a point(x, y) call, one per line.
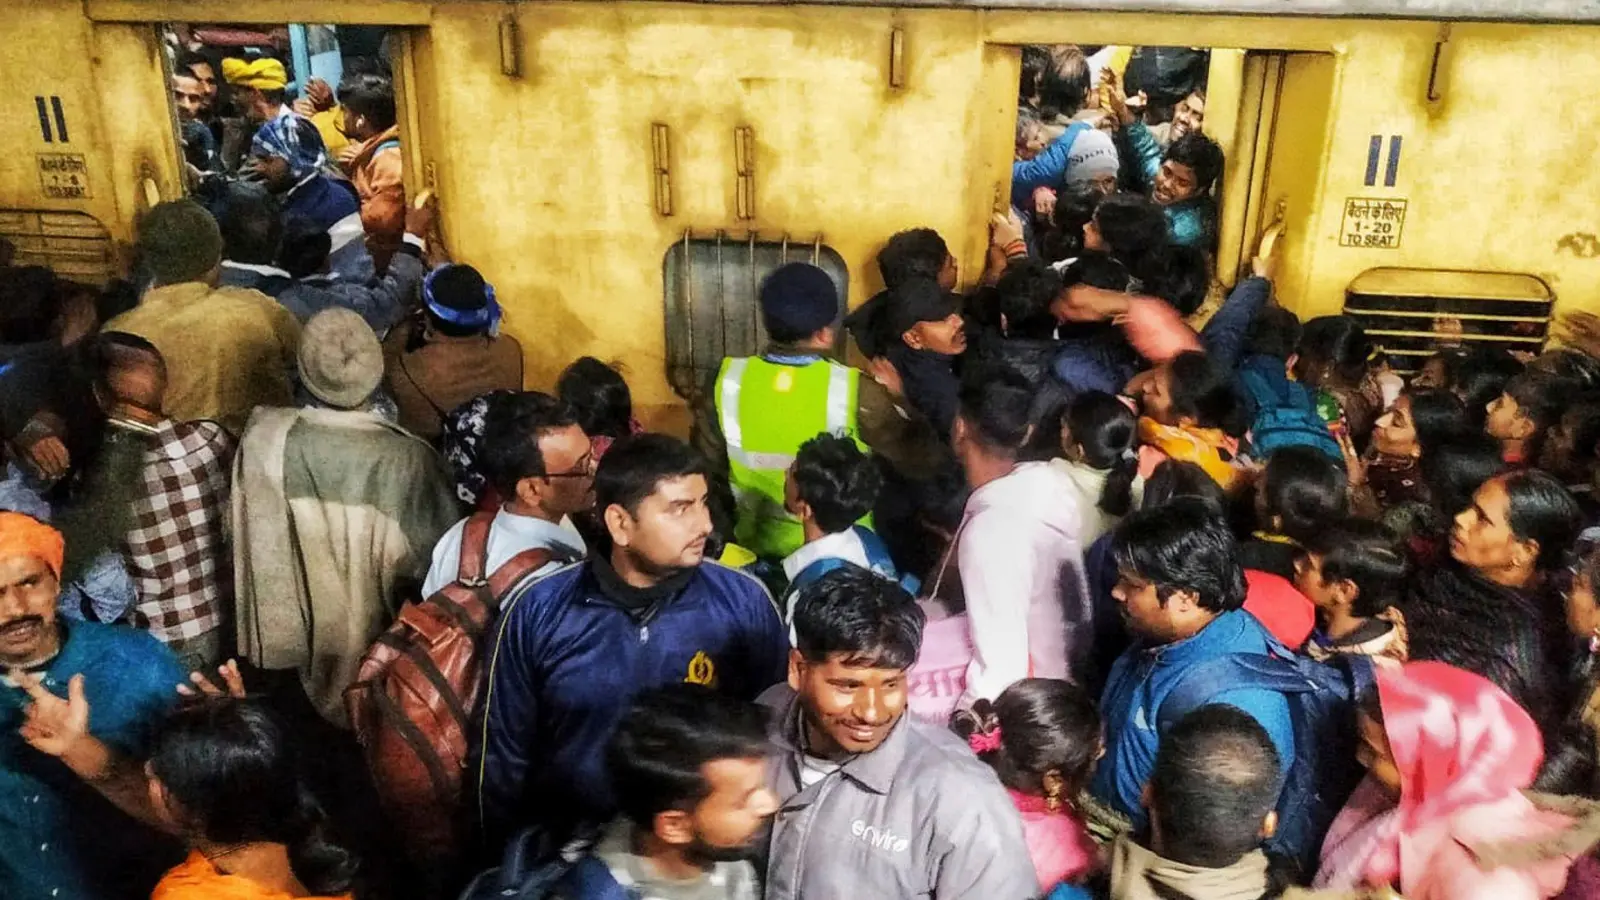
point(1375, 152)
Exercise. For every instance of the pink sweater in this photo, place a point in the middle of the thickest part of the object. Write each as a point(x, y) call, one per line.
point(1058, 843)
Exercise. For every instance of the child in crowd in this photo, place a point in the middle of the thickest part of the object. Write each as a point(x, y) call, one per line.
point(1529, 406)
point(1334, 358)
point(1300, 491)
point(1042, 738)
point(829, 488)
point(1099, 438)
point(1420, 421)
point(600, 400)
point(1354, 572)
point(1190, 414)
point(1281, 412)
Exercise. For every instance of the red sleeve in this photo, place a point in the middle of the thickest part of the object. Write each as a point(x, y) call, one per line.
point(1279, 607)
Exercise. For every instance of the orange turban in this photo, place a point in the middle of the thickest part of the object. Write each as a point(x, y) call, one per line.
point(22, 535)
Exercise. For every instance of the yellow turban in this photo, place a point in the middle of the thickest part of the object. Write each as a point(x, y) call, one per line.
point(265, 74)
point(22, 535)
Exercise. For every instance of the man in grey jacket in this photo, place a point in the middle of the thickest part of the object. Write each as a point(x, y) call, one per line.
point(876, 803)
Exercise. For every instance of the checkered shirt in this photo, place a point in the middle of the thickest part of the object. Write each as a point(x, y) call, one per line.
point(177, 546)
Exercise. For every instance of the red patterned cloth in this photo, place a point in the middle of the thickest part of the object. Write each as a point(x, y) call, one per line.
point(176, 549)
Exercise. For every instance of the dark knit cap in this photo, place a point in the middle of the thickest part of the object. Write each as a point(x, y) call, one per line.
point(797, 301)
point(179, 241)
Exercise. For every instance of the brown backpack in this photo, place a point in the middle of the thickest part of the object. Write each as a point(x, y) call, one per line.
point(416, 695)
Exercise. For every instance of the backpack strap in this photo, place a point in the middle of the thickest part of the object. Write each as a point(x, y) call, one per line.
point(1234, 672)
point(518, 567)
point(475, 548)
point(816, 570)
point(591, 879)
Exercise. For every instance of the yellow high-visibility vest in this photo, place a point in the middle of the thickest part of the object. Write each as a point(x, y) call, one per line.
point(766, 411)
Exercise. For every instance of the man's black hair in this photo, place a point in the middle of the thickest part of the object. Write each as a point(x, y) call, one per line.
point(1178, 274)
point(1201, 154)
point(1035, 59)
point(1025, 293)
point(305, 246)
point(635, 466)
point(509, 451)
point(997, 403)
point(1305, 489)
point(1216, 776)
point(1275, 333)
point(1182, 546)
point(110, 352)
point(1064, 84)
point(1367, 555)
point(838, 481)
point(1203, 391)
point(369, 96)
point(188, 59)
point(910, 254)
point(1134, 228)
point(1543, 510)
point(251, 224)
point(658, 754)
point(869, 619)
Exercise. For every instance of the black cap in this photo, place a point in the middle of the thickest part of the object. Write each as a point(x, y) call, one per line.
point(919, 300)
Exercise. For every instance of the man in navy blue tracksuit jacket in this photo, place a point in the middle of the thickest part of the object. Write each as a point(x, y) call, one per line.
point(573, 648)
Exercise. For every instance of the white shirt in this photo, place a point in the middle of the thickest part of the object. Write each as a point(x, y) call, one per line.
point(1021, 564)
point(509, 535)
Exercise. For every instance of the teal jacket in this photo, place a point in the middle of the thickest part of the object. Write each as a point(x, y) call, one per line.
point(1192, 223)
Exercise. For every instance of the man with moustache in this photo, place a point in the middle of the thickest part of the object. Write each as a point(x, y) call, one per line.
point(573, 649)
point(59, 838)
point(875, 803)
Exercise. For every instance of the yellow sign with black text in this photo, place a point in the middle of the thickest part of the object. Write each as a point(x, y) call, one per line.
point(1372, 223)
point(64, 176)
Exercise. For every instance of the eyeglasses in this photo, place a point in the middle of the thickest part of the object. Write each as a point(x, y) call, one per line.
point(584, 469)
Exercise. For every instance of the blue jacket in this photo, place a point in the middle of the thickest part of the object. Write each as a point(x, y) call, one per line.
point(566, 662)
point(59, 838)
point(1143, 676)
point(1048, 169)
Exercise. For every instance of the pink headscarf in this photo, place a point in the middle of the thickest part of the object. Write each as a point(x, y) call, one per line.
point(1458, 741)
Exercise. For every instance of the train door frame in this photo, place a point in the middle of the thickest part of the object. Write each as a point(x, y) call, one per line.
point(407, 19)
point(1244, 93)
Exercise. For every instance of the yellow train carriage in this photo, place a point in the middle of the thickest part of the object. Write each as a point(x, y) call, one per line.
point(622, 171)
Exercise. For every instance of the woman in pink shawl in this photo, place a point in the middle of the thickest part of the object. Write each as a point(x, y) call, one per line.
point(1441, 814)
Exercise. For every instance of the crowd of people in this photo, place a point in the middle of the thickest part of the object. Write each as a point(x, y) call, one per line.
point(1068, 590)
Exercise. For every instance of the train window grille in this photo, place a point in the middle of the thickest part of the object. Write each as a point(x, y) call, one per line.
point(74, 244)
point(1414, 313)
point(712, 311)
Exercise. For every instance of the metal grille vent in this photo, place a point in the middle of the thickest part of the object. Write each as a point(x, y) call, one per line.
point(711, 299)
point(73, 244)
point(1414, 313)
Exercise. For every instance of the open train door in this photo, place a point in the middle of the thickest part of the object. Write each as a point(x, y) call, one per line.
point(1277, 149)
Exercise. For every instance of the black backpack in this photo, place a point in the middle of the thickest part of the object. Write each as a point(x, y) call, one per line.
point(1323, 700)
point(534, 868)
